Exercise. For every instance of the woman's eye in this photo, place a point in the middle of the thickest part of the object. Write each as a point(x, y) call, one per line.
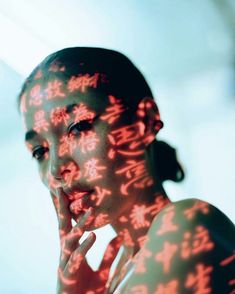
point(39, 152)
point(77, 128)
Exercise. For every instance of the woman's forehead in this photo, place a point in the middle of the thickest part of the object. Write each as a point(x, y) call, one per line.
point(61, 91)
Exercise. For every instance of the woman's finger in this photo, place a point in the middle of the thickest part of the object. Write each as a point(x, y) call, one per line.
point(73, 276)
point(70, 241)
point(64, 215)
point(72, 238)
point(110, 254)
point(78, 255)
point(55, 201)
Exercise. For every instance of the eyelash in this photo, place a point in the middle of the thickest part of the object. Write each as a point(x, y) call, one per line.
point(38, 153)
point(85, 125)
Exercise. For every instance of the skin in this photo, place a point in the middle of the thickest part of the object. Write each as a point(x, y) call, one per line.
point(135, 204)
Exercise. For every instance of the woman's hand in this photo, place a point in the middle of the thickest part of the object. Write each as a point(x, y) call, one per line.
point(74, 274)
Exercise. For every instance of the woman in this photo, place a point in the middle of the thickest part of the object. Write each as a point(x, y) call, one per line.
point(91, 123)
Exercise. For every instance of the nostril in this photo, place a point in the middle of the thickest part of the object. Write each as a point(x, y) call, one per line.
point(64, 172)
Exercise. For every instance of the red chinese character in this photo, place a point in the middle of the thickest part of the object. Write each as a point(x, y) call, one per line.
point(100, 195)
point(59, 115)
point(141, 240)
point(159, 203)
point(38, 75)
point(168, 288)
point(201, 206)
point(140, 260)
point(67, 145)
point(138, 217)
point(101, 220)
point(112, 113)
point(167, 224)
point(77, 206)
point(123, 219)
point(35, 96)
point(53, 90)
point(82, 113)
point(126, 237)
point(112, 152)
point(201, 240)
point(228, 260)
point(92, 170)
point(104, 274)
point(81, 82)
point(45, 145)
point(139, 289)
point(166, 255)
point(232, 283)
point(200, 280)
point(23, 103)
point(186, 250)
point(72, 174)
point(137, 174)
point(130, 137)
point(75, 262)
point(128, 134)
point(56, 67)
point(225, 262)
point(40, 121)
point(87, 141)
point(64, 280)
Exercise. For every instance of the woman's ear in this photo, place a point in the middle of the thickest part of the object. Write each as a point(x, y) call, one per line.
point(148, 113)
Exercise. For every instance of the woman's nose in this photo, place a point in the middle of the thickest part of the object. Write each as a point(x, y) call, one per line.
point(55, 171)
point(58, 166)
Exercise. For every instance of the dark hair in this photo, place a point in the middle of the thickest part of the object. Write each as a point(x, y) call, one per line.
point(167, 165)
point(124, 80)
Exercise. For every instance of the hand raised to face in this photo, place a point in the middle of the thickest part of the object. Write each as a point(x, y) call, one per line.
point(73, 268)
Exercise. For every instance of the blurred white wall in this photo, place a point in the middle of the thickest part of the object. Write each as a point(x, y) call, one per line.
point(185, 50)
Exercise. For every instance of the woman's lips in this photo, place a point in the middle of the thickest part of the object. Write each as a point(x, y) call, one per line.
point(77, 195)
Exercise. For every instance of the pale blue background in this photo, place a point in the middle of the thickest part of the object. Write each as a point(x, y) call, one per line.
point(185, 48)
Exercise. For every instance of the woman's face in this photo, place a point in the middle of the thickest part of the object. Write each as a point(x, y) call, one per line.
point(85, 142)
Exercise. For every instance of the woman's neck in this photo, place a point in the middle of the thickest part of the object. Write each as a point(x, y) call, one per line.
point(132, 226)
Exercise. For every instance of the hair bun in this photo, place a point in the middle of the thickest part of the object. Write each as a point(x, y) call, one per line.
point(167, 164)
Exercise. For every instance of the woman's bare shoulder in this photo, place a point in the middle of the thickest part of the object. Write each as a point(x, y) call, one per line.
point(188, 213)
point(188, 239)
point(191, 217)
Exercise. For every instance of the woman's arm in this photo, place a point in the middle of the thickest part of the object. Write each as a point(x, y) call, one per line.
point(190, 249)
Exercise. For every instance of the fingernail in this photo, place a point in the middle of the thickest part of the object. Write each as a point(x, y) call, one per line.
point(90, 236)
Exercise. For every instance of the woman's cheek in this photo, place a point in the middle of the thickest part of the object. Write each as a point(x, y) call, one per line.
point(46, 177)
point(43, 177)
